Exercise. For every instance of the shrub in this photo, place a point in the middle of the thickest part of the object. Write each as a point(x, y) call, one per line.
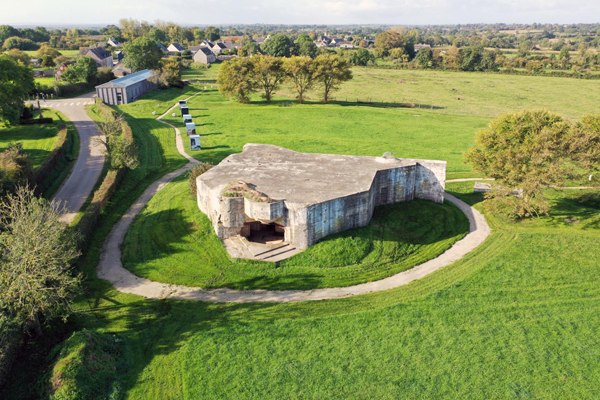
point(11, 338)
point(194, 173)
point(37, 121)
point(15, 168)
point(41, 175)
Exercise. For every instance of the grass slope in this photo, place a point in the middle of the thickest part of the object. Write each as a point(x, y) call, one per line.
point(172, 241)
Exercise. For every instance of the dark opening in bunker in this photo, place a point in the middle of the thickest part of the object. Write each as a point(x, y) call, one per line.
point(259, 232)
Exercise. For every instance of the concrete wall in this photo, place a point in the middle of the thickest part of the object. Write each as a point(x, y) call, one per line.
point(306, 225)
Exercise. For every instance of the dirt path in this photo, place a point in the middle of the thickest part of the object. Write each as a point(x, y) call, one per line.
point(111, 268)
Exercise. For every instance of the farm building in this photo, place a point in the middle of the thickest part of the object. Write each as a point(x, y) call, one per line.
point(205, 56)
point(305, 197)
point(101, 56)
point(126, 89)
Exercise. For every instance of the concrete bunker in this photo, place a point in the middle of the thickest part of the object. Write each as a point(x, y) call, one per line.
point(268, 194)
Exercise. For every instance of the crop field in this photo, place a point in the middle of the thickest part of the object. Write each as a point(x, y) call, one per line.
point(516, 318)
point(173, 242)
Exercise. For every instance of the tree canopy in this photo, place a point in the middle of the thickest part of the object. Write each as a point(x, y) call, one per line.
point(142, 53)
point(300, 72)
point(16, 81)
point(329, 71)
point(236, 79)
point(278, 46)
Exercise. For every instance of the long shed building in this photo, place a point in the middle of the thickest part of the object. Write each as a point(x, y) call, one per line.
point(126, 89)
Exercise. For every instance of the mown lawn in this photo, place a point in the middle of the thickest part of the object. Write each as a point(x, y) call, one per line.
point(38, 140)
point(172, 241)
point(226, 126)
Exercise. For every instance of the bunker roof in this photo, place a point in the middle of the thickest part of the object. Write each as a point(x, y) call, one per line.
point(302, 178)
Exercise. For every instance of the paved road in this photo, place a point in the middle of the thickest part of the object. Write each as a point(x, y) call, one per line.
point(86, 171)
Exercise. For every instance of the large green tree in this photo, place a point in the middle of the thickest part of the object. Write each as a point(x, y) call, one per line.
point(525, 151)
point(305, 46)
point(388, 40)
point(36, 254)
point(300, 72)
point(268, 74)
point(7, 31)
point(16, 82)
point(278, 46)
point(84, 70)
point(142, 53)
point(157, 34)
point(329, 71)
point(360, 57)
point(212, 33)
point(236, 79)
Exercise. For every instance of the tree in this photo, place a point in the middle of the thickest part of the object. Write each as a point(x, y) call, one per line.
point(268, 73)
point(306, 46)
point(249, 49)
point(120, 149)
point(169, 75)
point(46, 50)
point(329, 71)
point(236, 79)
point(87, 69)
point(469, 58)
point(157, 35)
point(19, 56)
point(16, 81)
point(360, 57)
point(47, 61)
point(7, 31)
point(528, 151)
point(277, 46)
point(199, 35)
point(16, 42)
point(300, 71)
point(36, 249)
point(142, 53)
point(424, 58)
point(212, 33)
point(388, 40)
point(584, 144)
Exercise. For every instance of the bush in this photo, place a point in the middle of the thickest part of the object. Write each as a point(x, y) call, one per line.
point(41, 175)
point(15, 168)
point(194, 173)
point(65, 89)
point(11, 338)
point(37, 121)
point(88, 365)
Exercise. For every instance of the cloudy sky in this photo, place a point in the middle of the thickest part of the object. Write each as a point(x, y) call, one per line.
point(400, 12)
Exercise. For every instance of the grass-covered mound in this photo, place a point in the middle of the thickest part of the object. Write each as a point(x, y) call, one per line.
point(88, 365)
point(172, 241)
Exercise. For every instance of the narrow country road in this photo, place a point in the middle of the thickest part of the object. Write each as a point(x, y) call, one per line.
point(88, 167)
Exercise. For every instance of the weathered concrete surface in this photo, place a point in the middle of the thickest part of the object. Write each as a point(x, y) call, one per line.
point(111, 269)
point(312, 195)
point(87, 169)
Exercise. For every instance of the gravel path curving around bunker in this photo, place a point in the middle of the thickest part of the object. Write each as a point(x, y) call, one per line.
point(111, 268)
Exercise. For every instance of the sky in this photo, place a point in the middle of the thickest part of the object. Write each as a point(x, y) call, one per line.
point(393, 12)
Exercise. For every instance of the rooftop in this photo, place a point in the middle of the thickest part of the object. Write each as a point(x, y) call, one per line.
point(301, 178)
point(130, 79)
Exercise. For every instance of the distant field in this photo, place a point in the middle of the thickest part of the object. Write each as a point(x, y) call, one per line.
point(66, 53)
point(226, 126)
point(469, 93)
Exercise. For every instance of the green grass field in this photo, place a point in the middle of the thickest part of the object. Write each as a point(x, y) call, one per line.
point(517, 318)
point(486, 95)
point(38, 140)
point(226, 126)
point(172, 241)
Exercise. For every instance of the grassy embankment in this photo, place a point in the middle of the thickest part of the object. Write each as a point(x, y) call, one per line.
point(172, 241)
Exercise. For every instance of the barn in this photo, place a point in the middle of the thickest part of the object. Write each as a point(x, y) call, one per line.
point(126, 89)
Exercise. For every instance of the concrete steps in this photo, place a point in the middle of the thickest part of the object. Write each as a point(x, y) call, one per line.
point(240, 247)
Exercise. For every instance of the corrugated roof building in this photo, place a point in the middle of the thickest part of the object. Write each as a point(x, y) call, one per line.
point(126, 89)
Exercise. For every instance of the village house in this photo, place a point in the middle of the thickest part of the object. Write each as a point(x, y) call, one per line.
point(204, 55)
point(175, 48)
point(114, 43)
point(101, 56)
point(218, 47)
point(162, 47)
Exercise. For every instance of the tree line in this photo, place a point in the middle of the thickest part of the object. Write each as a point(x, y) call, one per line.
point(242, 76)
